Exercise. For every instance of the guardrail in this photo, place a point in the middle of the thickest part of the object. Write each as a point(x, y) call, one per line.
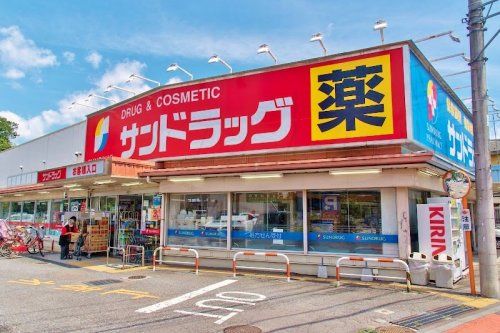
point(386, 260)
point(196, 263)
point(126, 255)
point(265, 254)
point(120, 249)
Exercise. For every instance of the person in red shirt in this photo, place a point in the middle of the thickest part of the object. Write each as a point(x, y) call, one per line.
point(65, 237)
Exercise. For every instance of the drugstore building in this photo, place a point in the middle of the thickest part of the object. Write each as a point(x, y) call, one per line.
point(318, 158)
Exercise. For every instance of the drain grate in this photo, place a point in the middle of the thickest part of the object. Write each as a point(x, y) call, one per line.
point(430, 317)
point(137, 277)
point(102, 282)
point(242, 329)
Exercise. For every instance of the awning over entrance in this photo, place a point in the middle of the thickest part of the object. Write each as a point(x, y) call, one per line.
point(112, 170)
point(309, 161)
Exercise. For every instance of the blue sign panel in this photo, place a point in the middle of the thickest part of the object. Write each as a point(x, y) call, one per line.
point(292, 236)
point(438, 123)
point(352, 238)
point(288, 236)
point(197, 233)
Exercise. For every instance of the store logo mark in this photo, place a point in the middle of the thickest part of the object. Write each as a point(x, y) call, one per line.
point(432, 100)
point(101, 135)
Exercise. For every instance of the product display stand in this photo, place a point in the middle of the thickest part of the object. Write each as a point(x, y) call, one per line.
point(128, 223)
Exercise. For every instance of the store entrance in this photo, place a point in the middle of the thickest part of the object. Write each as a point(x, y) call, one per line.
point(139, 222)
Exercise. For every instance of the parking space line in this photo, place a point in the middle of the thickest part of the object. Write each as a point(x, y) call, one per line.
point(185, 297)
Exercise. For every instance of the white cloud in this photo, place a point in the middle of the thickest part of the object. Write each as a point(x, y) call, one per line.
point(14, 74)
point(174, 80)
point(66, 113)
point(27, 128)
point(19, 54)
point(69, 56)
point(94, 58)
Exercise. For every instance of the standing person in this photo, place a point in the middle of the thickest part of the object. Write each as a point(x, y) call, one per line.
point(65, 237)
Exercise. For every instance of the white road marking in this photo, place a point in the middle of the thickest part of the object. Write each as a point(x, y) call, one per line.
point(259, 296)
point(185, 297)
point(223, 298)
point(218, 322)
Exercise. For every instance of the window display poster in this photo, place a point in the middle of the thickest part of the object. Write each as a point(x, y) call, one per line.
point(330, 207)
point(157, 201)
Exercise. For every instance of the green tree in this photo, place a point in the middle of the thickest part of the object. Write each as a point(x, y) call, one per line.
point(8, 132)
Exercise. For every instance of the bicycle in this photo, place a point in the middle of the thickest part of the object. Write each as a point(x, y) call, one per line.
point(35, 245)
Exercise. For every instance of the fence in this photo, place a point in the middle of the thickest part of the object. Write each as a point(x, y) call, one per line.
point(385, 260)
point(265, 254)
point(196, 263)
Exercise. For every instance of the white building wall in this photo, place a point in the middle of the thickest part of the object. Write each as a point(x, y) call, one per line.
point(56, 149)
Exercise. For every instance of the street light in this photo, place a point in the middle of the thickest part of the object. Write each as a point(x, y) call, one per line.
point(111, 87)
point(174, 67)
point(87, 106)
point(131, 77)
point(447, 33)
point(264, 48)
point(319, 38)
point(380, 25)
point(452, 56)
point(215, 58)
point(461, 87)
point(457, 73)
point(101, 97)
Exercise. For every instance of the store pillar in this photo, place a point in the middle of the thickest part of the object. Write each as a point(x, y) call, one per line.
point(403, 218)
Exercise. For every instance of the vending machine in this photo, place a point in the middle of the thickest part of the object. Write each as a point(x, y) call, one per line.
point(440, 231)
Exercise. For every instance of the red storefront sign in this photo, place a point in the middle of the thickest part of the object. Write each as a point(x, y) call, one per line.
point(93, 168)
point(322, 104)
point(51, 175)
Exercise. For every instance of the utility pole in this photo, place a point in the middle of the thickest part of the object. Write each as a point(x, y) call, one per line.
point(485, 219)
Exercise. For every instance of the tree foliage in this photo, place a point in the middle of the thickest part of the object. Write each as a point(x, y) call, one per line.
point(8, 132)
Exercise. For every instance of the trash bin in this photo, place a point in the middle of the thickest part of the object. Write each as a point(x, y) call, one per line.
point(442, 266)
point(419, 268)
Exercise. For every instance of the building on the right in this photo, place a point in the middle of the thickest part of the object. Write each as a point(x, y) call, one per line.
point(495, 174)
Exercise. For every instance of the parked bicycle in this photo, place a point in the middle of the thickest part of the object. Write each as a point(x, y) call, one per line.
point(22, 239)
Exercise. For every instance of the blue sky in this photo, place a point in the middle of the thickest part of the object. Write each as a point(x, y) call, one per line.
point(55, 52)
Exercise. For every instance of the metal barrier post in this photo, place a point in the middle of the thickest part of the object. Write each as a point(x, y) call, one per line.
point(128, 255)
point(115, 248)
point(386, 260)
point(287, 270)
point(196, 263)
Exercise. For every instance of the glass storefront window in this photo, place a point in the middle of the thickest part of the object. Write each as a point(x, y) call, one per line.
point(28, 212)
point(151, 215)
point(15, 212)
point(267, 220)
point(94, 204)
point(415, 198)
point(346, 222)
point(41, 215)
point(58, 207)
point(198, 220)
point(4, 210)
point(78, 205)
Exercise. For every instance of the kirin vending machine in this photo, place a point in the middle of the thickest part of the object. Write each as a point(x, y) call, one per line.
point(440, 231)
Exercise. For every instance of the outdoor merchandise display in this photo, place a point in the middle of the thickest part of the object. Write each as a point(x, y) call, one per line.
point(94, 228)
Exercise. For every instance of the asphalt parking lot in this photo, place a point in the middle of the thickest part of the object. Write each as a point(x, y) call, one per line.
point(45, 297)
